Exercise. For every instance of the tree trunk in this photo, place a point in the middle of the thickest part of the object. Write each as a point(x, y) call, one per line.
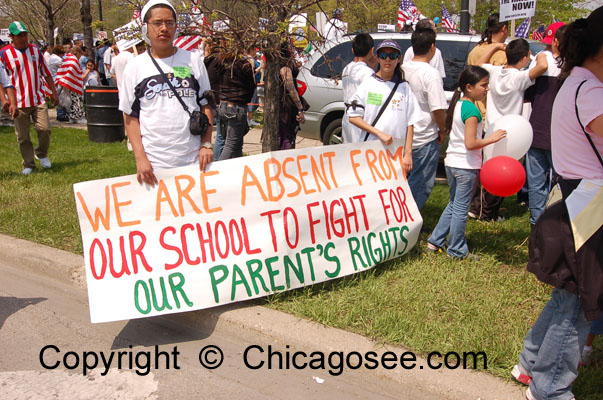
point(50, 27)
point(86, 23)
point(272, 99)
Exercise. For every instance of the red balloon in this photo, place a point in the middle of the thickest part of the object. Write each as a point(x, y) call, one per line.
point(502, 176)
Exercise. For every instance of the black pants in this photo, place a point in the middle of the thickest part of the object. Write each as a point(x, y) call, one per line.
point(484, 204)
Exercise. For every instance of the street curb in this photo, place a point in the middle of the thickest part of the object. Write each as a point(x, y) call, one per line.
point(283, 328)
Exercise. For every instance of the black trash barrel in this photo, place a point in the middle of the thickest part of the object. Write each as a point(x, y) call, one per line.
point(105, 121)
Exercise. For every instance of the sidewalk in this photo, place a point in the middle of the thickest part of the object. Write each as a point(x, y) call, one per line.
point(282, 328)
point(251, 143)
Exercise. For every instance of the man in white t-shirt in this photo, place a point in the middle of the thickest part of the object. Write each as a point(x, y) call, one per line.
point(118, 65)
point(427, 86)
point(107, 60)
point(508, 83)
point(335, 27)
point(156, 123)
point(352, 76)
point(437, 61)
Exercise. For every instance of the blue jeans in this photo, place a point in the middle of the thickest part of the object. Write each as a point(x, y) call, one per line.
point(234, 121)
point(220, 139)
point(552, 348)
point(539, 171)
point(424, 168)
point(453, 220)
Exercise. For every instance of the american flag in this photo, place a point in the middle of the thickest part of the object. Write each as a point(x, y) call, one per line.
point(447, 20)
point(136, 15)
point(538, 34)
point(407, 12)
point(524, 28)
point(188, 42)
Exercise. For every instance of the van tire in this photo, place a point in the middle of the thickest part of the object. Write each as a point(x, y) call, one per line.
point(333, 133)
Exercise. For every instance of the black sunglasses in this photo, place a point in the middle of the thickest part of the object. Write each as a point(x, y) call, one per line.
point(384, 56)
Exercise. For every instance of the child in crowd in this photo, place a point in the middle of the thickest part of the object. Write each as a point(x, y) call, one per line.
point(91, 76)
point(463, 161)
point(508, 83)
point(400, 113)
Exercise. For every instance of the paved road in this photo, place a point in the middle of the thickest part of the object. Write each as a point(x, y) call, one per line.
point(37, 311)
point(43, 302)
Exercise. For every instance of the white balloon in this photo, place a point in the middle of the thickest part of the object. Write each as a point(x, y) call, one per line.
point(517, 142)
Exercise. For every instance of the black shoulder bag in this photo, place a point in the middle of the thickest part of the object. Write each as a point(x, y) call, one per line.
point(582, 126)
point(199, 123)
point(391, 94)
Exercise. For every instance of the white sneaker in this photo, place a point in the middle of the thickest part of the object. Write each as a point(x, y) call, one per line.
point(82, 121)
point(251, 123)
point(44, 162)
point(27, 171)
point(586, 354)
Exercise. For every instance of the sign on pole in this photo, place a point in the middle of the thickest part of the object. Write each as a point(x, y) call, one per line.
point(128, 35)
point(245, 228)
point(516, 9)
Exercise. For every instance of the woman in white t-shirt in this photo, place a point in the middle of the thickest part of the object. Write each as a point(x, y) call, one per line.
point(463, 161)
point(400, 114)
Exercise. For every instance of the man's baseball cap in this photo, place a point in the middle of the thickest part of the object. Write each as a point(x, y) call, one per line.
point(17, 27)
point(153, 3)
point(389, 44)
point(550, 32)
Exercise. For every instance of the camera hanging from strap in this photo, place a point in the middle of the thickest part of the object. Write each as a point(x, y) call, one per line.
point(199, 123)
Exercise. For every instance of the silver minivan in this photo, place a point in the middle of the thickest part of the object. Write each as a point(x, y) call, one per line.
point(321, 77)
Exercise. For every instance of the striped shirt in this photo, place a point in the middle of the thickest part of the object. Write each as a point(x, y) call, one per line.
point(26, 69)
point(69, 74)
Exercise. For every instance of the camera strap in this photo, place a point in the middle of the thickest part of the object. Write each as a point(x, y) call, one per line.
point(165, 78)
point(383, 107)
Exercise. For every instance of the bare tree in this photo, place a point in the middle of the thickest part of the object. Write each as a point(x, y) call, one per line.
point(40, 16)
point(244, 28)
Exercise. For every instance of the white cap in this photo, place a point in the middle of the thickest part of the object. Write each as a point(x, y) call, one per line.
point(146, 9)
point(153, 3)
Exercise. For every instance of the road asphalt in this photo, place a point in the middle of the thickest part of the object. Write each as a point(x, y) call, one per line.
point(279, 327)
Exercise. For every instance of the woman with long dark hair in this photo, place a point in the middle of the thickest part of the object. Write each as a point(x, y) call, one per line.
point(236, 89)
point(569, 255)
point(292, 109)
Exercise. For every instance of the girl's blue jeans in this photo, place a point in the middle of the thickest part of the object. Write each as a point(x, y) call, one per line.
point(453, 220)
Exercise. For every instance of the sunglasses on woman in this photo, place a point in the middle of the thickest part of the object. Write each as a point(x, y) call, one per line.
point(384, 56)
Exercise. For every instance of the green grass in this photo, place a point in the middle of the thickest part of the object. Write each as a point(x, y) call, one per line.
point(424, 302)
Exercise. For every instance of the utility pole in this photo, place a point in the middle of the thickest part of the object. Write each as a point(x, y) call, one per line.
point(464, 16)
point(100, 13)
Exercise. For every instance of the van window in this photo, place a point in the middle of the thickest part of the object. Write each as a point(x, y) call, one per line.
point(338, 56)
point(455, 58)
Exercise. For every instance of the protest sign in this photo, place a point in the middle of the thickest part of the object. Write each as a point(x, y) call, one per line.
point(100, 35)
point(4, 35)
point(127, 35)
point(516, 9)
point(245, 228)
point(386, 27)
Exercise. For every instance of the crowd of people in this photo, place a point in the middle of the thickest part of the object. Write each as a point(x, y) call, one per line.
point(386, 98)
point(171, 98)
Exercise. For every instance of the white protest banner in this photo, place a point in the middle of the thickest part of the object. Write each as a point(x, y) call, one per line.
point(516, 9)
point(4, 35)
point(221, 26)
point(245, 228)
point(78, 36)
point(128, 35)
point(386, 27)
